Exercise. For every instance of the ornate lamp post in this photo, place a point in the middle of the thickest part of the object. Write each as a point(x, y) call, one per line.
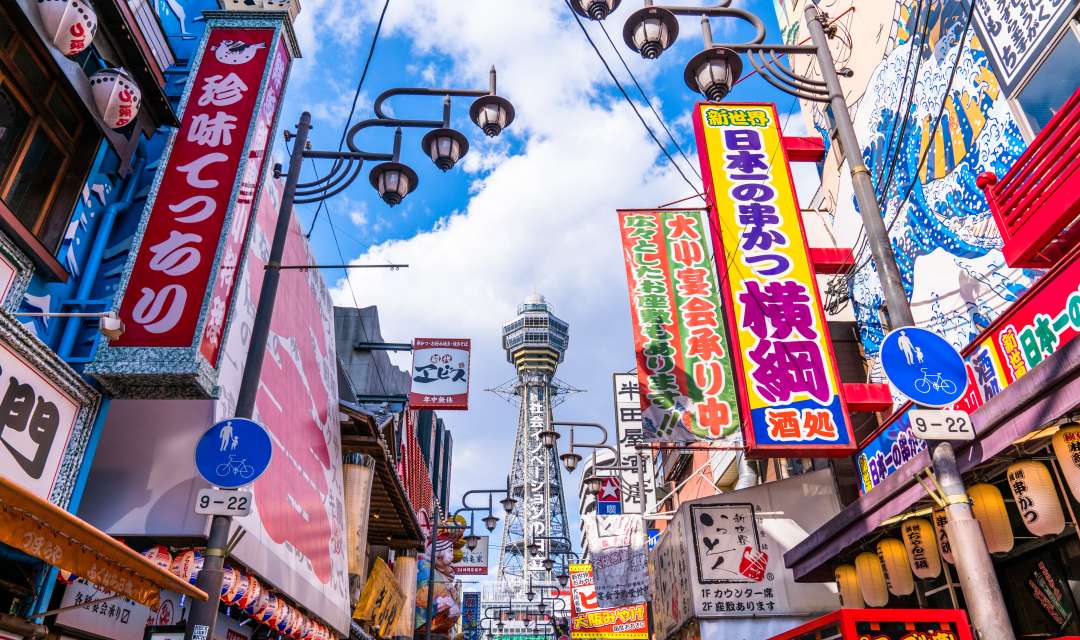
point(394, 181)
point(712, 72)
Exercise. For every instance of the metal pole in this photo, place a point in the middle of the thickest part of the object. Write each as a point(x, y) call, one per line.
point(203, 616)
point(431, 567)
point(974, 565)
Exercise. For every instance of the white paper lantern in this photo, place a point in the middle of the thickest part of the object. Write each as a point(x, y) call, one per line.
point(941, 518)
point(1036, 499)
point(187, 564)
point(1067, 451)
point(922, 549)
point(159, 555)
point(116, 96)
point(871, 578)
point(893, 556)
point(70, 24)
point(988, 507)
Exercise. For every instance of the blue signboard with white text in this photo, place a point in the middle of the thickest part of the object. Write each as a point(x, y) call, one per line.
point(923, 366)
point(233, 453)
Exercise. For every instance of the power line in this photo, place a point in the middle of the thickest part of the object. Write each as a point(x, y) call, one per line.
point(626, 95)
point(356, 98)
point(648, 102)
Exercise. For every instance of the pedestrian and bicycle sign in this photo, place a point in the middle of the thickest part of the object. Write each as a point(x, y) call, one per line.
point(923, 366)
point(233, 453)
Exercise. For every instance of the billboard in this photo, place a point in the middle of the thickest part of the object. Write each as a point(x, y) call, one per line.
point(723, 556)
point(440, 374)
point(1015, 34)
point(629, 432)
point(295, 534)
point(589, 622)
point(181, 276)
point(683, 363)
point(1040, 322)
point(474, 562)
point(788, 386)
point(617, 548)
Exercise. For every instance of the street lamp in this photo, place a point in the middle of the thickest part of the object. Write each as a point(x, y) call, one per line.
point(592, 485)
point(534, 548)
point(491, 522)
point(549, 438)
point(594, 9)
point(472, 541)
point(548, 563)
point(570, 460)
point(563, 578)
point(508, 504)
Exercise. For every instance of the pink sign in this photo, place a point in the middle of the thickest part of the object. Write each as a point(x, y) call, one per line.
point(174, 265)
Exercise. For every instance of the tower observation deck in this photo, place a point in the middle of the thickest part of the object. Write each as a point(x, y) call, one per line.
point(535, 343)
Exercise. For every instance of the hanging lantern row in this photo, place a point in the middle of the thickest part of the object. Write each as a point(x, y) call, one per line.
point(894, 565)
point(239, 589)
point(71, 25)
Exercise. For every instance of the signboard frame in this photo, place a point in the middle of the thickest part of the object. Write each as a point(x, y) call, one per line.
point(451, 401)
point(796, 253)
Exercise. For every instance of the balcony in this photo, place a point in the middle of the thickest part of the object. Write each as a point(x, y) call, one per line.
point(1037, 204)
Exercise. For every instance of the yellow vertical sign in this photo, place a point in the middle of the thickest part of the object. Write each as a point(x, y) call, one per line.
point(788, 386)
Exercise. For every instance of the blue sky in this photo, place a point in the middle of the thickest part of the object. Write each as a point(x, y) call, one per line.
point(533, 210)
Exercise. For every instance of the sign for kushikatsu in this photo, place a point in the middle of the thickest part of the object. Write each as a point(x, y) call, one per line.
point(440, 373)
point(684, 368)
point(788, 387)
point(194, 235)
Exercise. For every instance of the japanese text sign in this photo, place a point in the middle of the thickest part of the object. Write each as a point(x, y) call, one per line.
point(440, 374)
point(1015, 34)
point(629, 429)
point(590, 622)
point(619, 559)
point(382, 600)
point(786, 378)
point(683, 364)
point(174, 267)
point(1044, 319)
point(470, 615)
point(474, 562)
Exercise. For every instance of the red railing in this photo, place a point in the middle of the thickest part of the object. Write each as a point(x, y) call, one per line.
point(1037, 204)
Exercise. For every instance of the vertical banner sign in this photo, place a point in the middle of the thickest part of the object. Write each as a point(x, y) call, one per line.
point(682, 357)
point(590, 622)
point(440, 374)
point(628, 428)
point(788, 386)
point(174, 265)
point(470, 615)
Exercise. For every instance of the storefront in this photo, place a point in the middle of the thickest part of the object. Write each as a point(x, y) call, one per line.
point(889, 548)
point(893, 624)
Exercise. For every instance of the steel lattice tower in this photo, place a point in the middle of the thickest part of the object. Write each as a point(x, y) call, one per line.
point(535, 343)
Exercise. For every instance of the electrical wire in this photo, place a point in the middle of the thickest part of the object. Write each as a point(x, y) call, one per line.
point(652, 134)
point(648, 101)
point(356, 98)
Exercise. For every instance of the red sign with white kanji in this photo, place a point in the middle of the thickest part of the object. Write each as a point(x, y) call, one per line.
point(178, 253)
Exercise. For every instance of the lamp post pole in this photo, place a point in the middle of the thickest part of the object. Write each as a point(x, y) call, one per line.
point(974, 565)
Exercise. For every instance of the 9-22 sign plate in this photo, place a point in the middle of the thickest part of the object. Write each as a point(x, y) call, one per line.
point(223, 502)
point(941, 424)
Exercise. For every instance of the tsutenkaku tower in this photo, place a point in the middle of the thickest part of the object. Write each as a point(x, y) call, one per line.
point(535, 342)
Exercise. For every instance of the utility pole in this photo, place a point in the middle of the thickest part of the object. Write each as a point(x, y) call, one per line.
point(974, 565)
point(203, 616)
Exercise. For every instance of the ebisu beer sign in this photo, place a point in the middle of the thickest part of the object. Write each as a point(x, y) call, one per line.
point(788, 387)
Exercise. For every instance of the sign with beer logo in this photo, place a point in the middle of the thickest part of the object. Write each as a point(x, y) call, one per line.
point(440, 373)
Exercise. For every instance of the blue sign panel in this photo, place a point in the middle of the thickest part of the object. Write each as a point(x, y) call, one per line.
point(654, 537)
point(233, 453)
point(923, 366)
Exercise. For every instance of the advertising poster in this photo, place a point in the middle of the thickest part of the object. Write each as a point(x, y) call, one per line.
point(785, 373)
point(381, 600)
point(683, 362)
point(440, 374)
point(619, 555)
point(590, 622)
point(474, 562)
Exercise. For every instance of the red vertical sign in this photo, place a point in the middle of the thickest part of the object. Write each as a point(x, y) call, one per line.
point(172, 271)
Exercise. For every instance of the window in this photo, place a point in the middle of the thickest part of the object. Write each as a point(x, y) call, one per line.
point(46, 143)
point(1055, 80)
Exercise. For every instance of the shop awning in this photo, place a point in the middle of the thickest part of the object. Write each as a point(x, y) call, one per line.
point(393, 521)
point(1047, 392)
point(47, 532)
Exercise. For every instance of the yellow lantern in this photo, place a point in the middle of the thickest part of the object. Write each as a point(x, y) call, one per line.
point(1036, 499)
point(405, 576)
point(1067, 451)
point(941, 518)
point(922, 549)
point(847, 581)
point(988, 507)
point(871, 578)
point(358, 472)
point(894, 562)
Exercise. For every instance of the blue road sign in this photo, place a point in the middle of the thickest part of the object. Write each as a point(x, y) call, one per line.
point(923, 366)
point(654, 537)
point(233, 453)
